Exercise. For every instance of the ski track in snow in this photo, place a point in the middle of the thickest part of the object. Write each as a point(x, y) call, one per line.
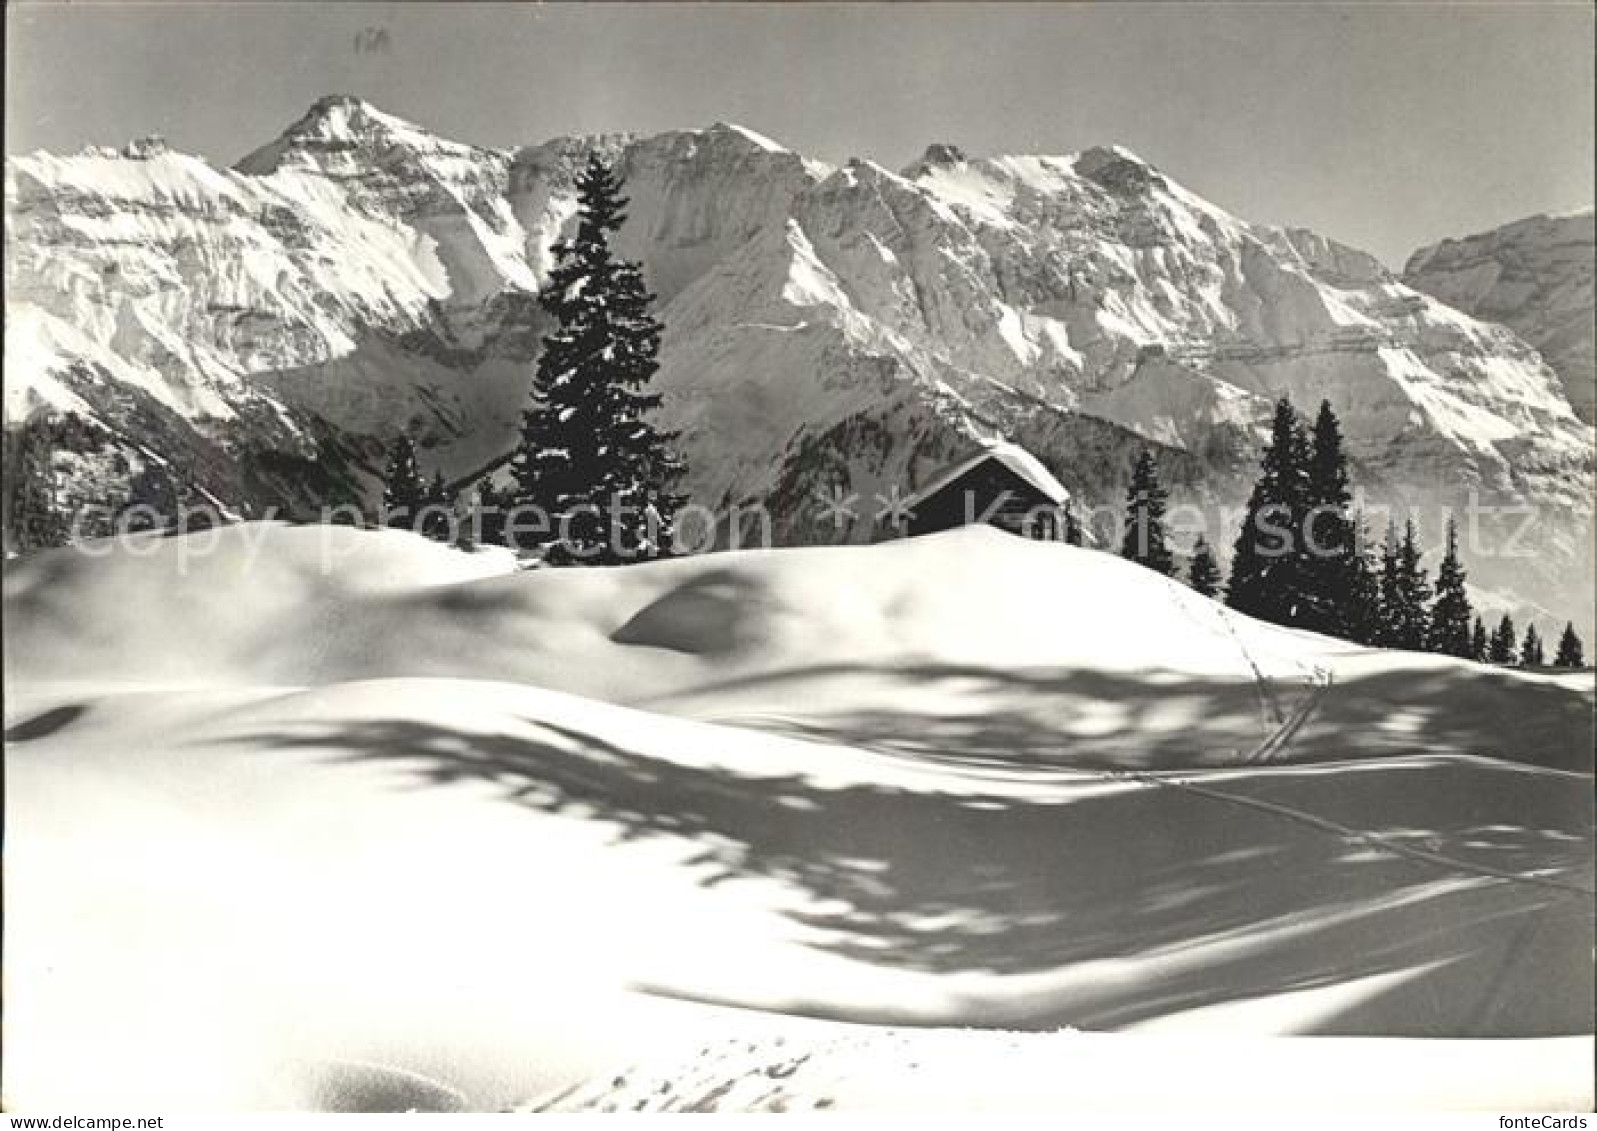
point(1278, 741)
point(1361, 837)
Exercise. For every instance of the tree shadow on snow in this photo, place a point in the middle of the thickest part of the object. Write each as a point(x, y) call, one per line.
point(46, 723)
point(1183, 901)
point(1160, 719)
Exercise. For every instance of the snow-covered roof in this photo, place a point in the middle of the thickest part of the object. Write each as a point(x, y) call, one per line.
point(1014, 457)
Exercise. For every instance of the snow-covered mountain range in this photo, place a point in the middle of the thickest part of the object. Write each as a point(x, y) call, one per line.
point(1534, 276)
point(253, 336)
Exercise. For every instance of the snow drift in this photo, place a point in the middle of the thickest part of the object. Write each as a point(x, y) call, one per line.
point(941, 640)
point(326, 817)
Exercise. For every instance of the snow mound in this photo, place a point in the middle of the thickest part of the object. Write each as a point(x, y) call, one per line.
point(971, 642)
point(379, 823)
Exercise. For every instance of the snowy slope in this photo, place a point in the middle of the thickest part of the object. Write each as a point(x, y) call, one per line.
point(410, 828)
point(928, 1072)
point(1535, 277)
point(360, 275)
point(910, 638)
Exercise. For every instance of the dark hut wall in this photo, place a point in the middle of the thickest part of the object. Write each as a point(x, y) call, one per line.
point(988, 492)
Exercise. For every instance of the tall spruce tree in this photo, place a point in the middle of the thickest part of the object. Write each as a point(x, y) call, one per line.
point(1531, 653)
point(1480, 647)
point(1146, 541)
point(1416, 586)
point(1391, 596)
point(1203, 572)
point(1362, 611)
point(1451, 615)
point(1570, 653)
point(1364, 624)
point(589, 455)
point(1329, 543)
point(1505, 642)
point(1405, 592)
point(1267, 575)
point(403, 490)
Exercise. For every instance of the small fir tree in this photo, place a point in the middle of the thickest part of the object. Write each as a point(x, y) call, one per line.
point(1146, 541)
point(1570, 652)
point(1362, 613)
point(485, 509)
point(1203, 572)
point(436, 505)
point(1505, 642)
point(1073, 533)
point(1531, 654)
point(1480, 646)
point(1405, 592)
point(1451, 615)
point(402, 485)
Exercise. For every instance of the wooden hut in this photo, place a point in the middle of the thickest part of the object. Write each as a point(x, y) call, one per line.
point(1002, 485)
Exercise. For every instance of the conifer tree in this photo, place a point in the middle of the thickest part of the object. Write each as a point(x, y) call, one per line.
point(1362, 610)
point(1327, 470)
point(487, 512)
point(1451, 614)
point(1329, 535)
point(1570, 653)
point(1505, 642)
point(402, 485)
point(589, 455)
point(1405, 592)
point(1266, 565)
point(1391, 589)
point(1364, 625)
point(1479, 646)
point(1416, 585)
point(1145, 541)
point(1073, 534)
point(435, 508)
point(1203, 572)
point(1531, 654)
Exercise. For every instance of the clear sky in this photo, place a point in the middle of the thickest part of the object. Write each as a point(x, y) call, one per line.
point(1385, 127)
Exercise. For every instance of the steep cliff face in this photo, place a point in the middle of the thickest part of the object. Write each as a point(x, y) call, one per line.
point(256, 334)
point(1095, 286)
point(1535, 277)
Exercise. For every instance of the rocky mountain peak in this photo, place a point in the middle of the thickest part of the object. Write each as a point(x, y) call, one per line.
point(144, 148)
point(1118, 169)
point(742, 134)
point(943, 153)
point(346, 115)
point(938, 154)
point(1533, 275)
point(339, 126)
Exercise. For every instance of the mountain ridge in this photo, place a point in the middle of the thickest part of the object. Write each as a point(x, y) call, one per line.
point(1534, 275)
point(359, 275)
